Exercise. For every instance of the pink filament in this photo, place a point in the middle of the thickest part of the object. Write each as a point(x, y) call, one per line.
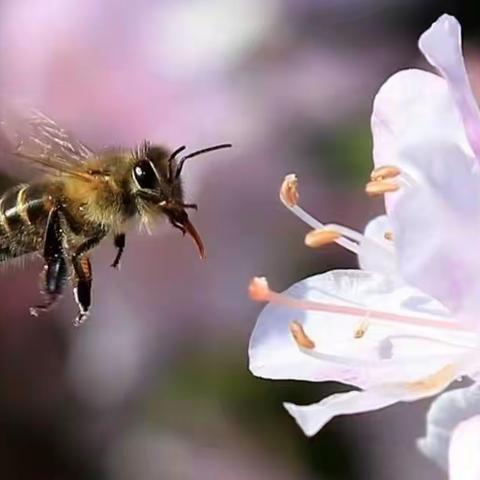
point(290, 302)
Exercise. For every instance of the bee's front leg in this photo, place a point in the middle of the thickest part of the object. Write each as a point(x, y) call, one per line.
point(119, 242)
point(83, 279)
point(55, 270)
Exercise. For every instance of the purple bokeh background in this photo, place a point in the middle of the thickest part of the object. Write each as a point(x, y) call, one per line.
point(156, 384)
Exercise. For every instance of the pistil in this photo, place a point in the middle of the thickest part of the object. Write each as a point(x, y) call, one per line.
point(260, 291)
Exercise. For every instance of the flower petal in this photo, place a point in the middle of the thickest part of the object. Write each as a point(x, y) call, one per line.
point(383, 352)
point(442, 46)
point(311, 418)
point(413, 108)
point(464, 458)
point(370, 256)
point(435, 229)
point(445, 413)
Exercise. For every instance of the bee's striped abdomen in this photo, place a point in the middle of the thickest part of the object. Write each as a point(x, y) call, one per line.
point(23, 215)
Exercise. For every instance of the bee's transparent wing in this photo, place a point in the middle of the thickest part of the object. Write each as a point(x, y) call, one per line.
point(28, 134)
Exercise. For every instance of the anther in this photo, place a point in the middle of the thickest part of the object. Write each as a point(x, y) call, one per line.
point(320, 237)
point(388, 236)
point(387, 171)
point(289, 191)
point(258, 290)
point(361, 328)
point(380, 187)
point(300, 337)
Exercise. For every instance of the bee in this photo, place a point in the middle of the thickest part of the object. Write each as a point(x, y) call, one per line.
point(84, 197)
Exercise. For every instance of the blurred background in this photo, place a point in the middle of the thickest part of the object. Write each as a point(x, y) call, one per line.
point(156, 384)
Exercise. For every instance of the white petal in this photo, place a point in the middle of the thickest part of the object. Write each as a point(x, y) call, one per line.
point(442, 46)
point(413, 108)
point(370, 256)
point(436, 230)
point(311, 418)
point(464, 458)
point(384, 351)
point(445, 413)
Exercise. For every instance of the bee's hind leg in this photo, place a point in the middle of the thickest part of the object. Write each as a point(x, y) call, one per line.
point(83, 279)
point(83, 288)
point(55, 270)
point(119, 243)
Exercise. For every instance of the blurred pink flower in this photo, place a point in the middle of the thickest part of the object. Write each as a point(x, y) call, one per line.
point(402, 328)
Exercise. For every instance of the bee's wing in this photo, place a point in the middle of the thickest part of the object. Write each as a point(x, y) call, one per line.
point(32, 136)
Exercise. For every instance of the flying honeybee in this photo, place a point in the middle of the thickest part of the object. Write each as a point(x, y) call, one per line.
point(82, 198)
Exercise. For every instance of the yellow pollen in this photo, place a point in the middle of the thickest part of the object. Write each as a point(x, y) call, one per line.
point(435, 382)
point(258, 290)
point(387, 171)
point(388, 236)
point(289, 191)
point(361, 328)
point(300, 337)
point(319, 238)
point(380, 187)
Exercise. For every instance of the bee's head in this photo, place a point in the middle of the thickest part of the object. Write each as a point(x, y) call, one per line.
point(158, 187)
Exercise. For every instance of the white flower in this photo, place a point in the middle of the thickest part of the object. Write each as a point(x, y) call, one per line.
point(405, 326)
point(464, 461)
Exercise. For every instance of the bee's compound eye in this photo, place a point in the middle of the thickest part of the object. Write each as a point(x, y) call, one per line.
point(145, 175)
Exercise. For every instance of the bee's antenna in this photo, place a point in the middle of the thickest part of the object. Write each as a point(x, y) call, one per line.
point(172, 158)
point(199, 152)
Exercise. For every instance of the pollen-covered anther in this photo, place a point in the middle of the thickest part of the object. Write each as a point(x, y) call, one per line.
point(388, 236)
point(380, 187)
point(289, 190)
point(361, 329)
point(320, 237)
point(258, 290)
point(387, 171)
point(300, 337)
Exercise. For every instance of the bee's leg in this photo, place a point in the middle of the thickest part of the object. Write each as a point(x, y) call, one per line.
point(82, 289)
point(55, 270)
point(83, 279)
point(119, 242)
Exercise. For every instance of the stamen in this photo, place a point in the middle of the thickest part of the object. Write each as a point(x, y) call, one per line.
point(258, 290)
point(300, 337)
point(289, 196)
point(388, 236)
point(320, 237)
point(362, 328)
point(381, 187)
point(387, 342)
point(386, 171)
point(375, 362)
point(289, 191)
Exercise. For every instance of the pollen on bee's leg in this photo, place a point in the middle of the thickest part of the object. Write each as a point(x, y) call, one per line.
point(386, 171)
point(258, 290)
point(320, 237)
point(300, 337)
point(380, 187)
point(289, 190)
